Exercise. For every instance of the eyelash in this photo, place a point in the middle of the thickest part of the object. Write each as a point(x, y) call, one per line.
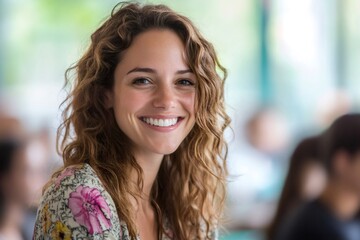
point(140, 81)
point(189, 82)
point(145, 81)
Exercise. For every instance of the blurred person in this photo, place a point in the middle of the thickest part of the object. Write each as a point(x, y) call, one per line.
point(38, 154)
point(11, 189)
point(147, 158)
point(11, 127)
point(14, 185)
point(331, 105)
point(267, 131)
point(256, 169)
point(334, 215)
point(305, 181)
point(23, 172)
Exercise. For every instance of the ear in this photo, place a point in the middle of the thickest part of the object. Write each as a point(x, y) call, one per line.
point(109, 99)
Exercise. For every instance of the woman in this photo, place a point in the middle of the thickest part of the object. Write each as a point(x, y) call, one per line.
point(304, 182)
point(142, 137)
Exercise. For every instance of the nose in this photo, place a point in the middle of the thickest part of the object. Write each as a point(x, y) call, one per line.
point(164, 97)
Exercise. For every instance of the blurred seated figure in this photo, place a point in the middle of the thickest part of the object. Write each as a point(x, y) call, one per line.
point(332, 104)
point(267, 131)
point(305, 180)
point(256, 168)
point(38, 155)
point(10, 127)
point(14, 181)
point(334, 215)
point(12, 189)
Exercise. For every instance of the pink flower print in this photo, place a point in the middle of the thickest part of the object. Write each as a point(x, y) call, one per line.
point(65, 173)
point(90, 209)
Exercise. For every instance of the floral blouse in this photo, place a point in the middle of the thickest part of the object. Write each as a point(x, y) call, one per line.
point(76, 206)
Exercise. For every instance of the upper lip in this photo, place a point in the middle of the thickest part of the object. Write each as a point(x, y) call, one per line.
point(161, 116)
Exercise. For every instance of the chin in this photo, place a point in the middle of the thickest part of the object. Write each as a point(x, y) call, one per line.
point(168, 151)
point(165, 150)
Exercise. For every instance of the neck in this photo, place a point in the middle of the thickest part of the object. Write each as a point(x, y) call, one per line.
point(342, 201)
point(150, 164)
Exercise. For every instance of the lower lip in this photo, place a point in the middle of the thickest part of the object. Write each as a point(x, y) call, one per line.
point(163, 129)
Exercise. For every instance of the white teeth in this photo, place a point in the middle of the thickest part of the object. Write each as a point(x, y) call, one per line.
point(161, 122)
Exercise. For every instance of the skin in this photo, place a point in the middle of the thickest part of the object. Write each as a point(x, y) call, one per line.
point(154, 81)
point(313, 179)
point(354, 173)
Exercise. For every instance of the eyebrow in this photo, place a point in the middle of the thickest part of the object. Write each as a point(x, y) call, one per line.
point(151, 70)
point(184, 71)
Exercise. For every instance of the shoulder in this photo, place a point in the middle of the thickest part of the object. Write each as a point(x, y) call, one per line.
point(311, 221)
point(76, 205)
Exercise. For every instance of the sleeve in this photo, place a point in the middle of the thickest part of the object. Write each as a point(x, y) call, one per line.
point(215, 235)
point(76, 206)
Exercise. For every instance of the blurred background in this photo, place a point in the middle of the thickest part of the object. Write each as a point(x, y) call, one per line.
point(293, 68)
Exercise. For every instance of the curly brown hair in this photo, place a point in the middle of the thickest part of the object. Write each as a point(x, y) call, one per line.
point(190, 186)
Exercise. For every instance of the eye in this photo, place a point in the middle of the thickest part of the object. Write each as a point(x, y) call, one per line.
point(141, 81)
point(185, 82)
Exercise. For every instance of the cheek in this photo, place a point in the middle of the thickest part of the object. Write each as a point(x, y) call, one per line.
point(352, 175)
point(128, 102)
point(188, 103)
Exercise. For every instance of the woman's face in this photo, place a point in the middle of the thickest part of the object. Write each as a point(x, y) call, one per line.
point(154, 92)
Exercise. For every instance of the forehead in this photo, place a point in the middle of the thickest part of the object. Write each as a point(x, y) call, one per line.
point(155, 47)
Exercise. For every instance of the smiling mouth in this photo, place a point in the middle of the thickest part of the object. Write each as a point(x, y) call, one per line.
point(160, 122)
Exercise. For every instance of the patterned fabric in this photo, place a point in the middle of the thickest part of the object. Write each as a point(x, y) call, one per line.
point(76, 206)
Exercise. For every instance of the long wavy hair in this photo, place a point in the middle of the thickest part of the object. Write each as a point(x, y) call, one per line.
point(306, 152)
point(190, 186)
